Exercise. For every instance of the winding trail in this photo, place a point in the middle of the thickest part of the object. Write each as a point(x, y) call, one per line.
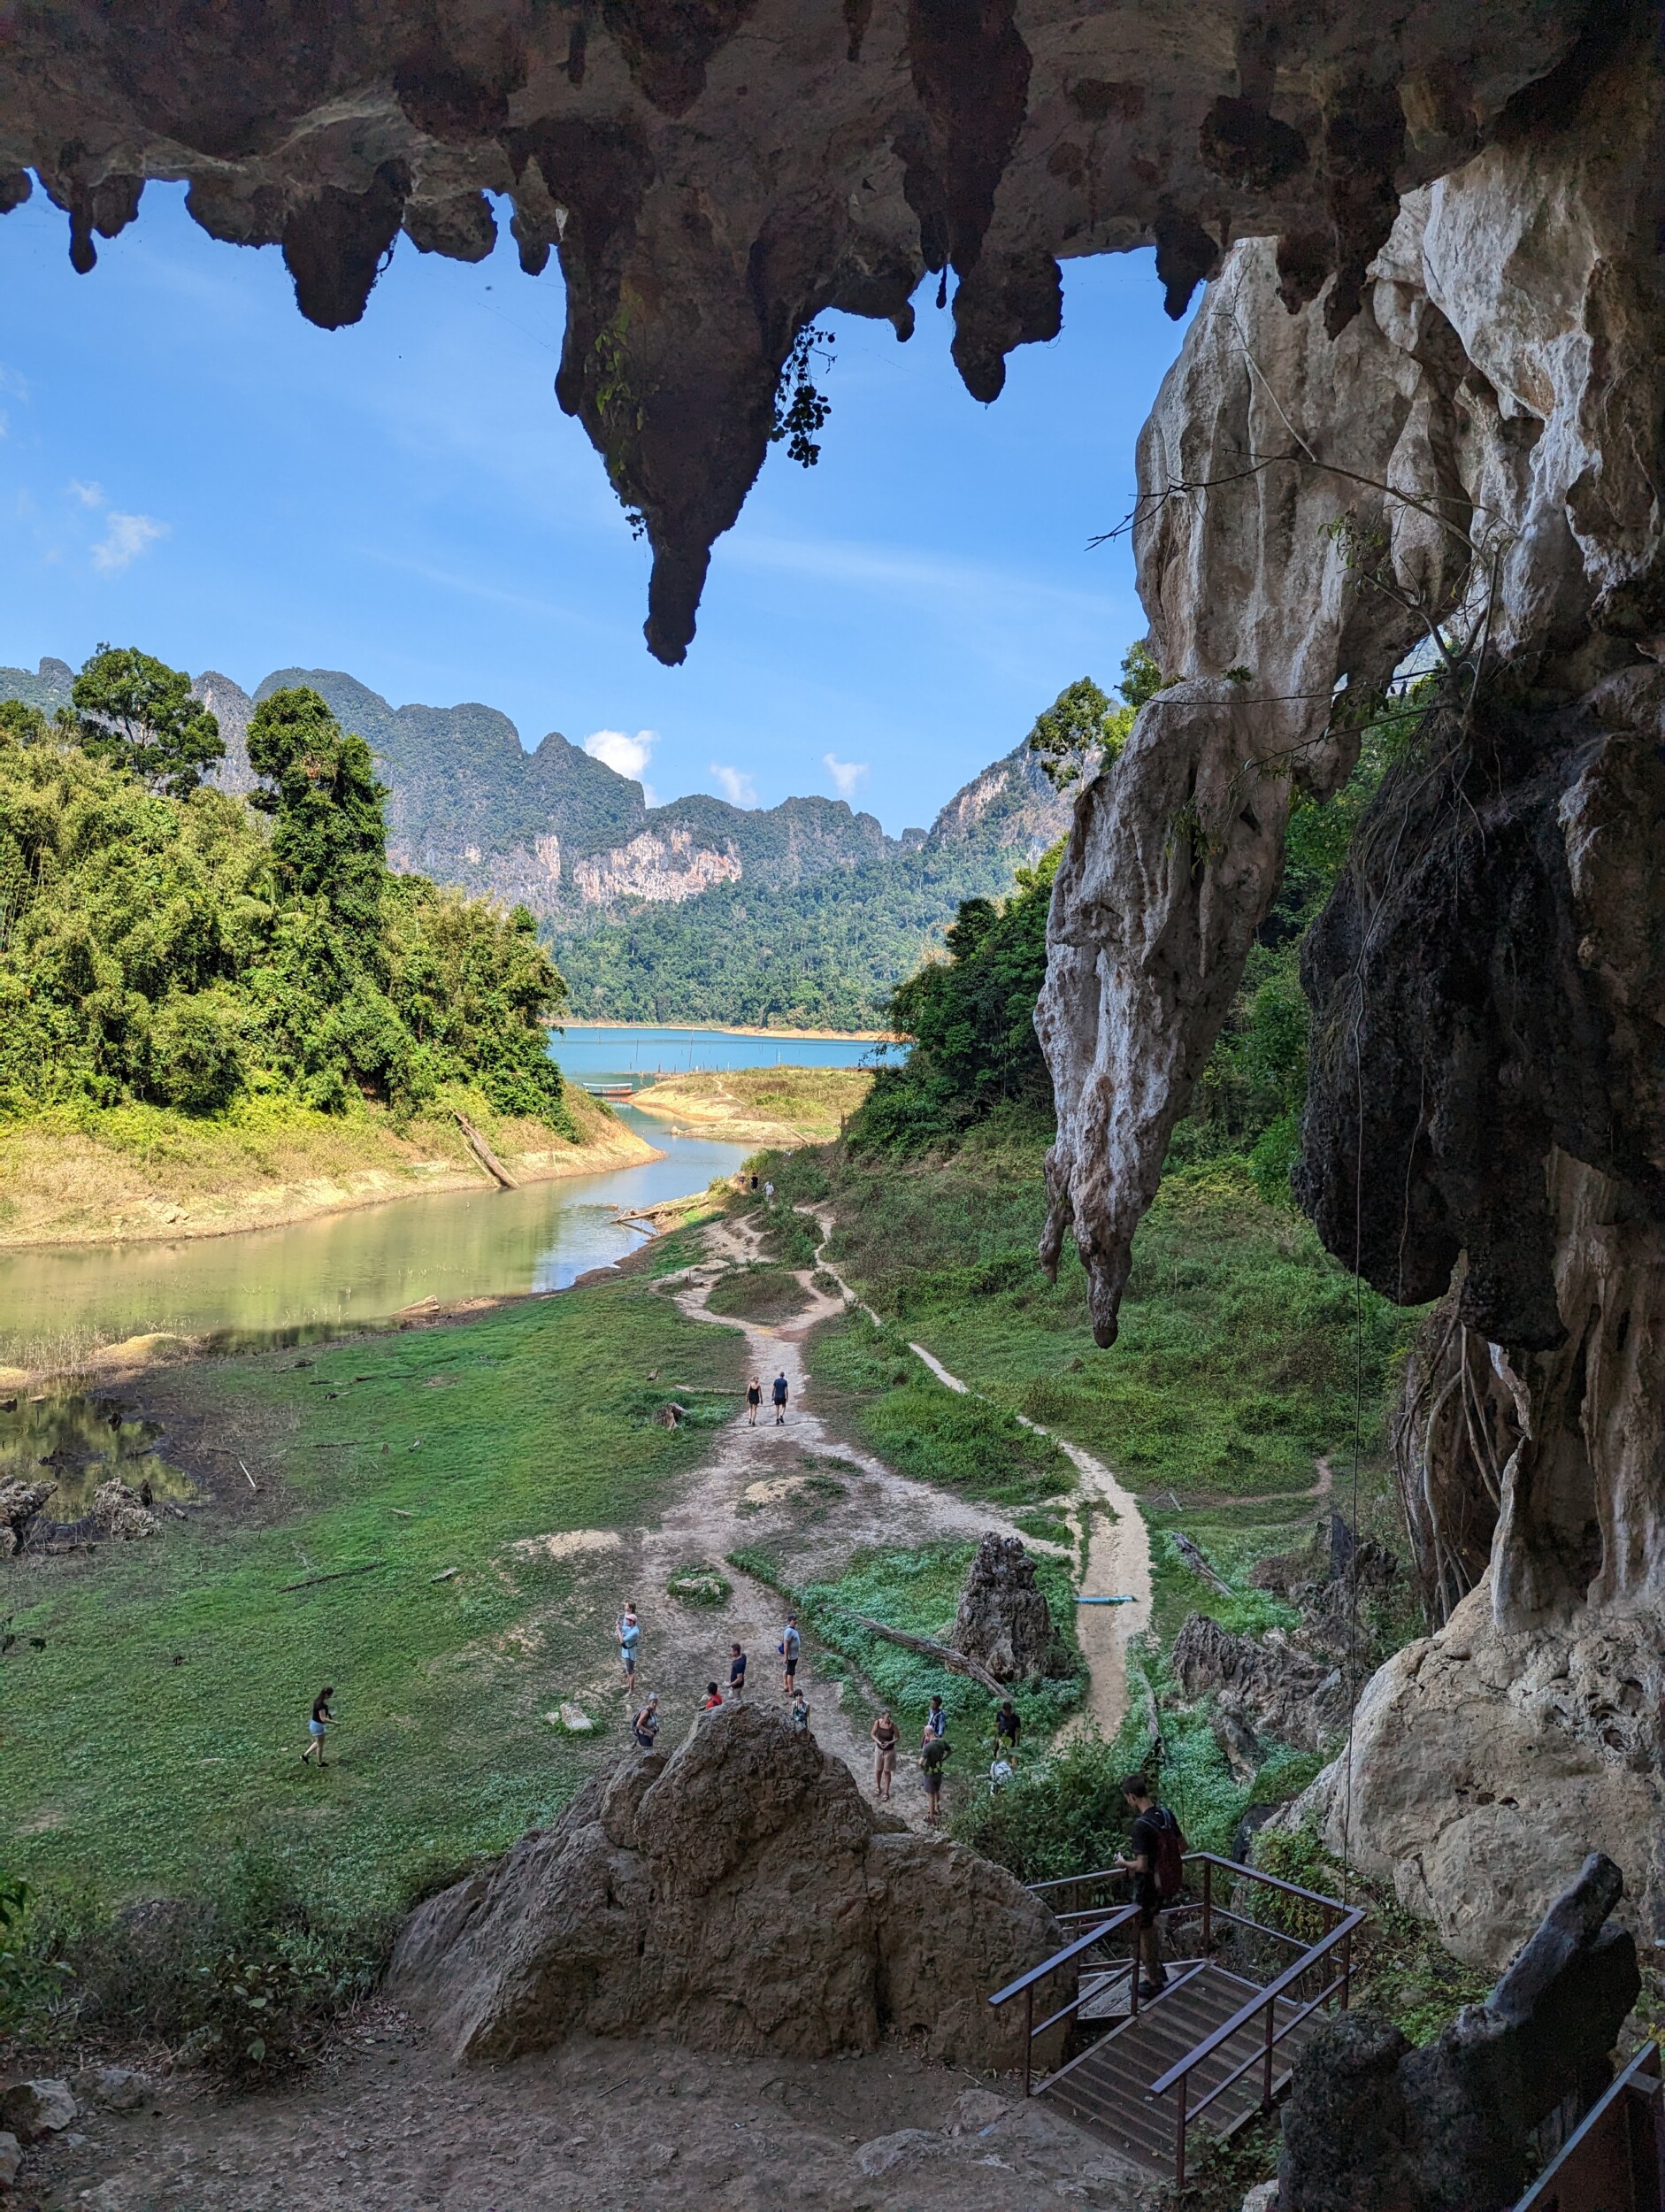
point(1117, 1540)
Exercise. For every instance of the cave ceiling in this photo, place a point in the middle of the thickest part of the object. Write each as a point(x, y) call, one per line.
point(713, 174)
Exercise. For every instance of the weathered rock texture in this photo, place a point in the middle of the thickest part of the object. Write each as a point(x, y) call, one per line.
point(738, 1889)
point(1486, 1763)
point(1373, 2125)
point(1480, 446)
point(713, 178)
point(1003, 1622)
point(1476, 457)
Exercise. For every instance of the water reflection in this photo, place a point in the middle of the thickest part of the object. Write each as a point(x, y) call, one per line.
point(76, 1443)
point(60, 1301)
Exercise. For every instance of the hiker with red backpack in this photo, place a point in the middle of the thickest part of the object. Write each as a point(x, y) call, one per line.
point(1157, 1862)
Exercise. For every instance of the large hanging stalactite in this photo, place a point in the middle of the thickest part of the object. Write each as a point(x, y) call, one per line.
point(847, 149)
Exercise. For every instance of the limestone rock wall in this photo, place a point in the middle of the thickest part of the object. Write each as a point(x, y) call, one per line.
point(1475, 458)
point(711, 179)
point(740, 1889)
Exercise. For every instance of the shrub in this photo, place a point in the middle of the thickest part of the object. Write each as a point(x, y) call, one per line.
point(241, 1977)
point(761, 1291)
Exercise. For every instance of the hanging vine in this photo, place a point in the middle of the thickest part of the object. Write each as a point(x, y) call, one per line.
point(800, 409)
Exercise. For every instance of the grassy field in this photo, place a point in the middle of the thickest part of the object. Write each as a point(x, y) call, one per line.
point(770, 1106)
point(69, 1173)
point(1246, 1356)
point(163, 1721)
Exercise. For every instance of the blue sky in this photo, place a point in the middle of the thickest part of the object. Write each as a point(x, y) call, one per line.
point(187, 466)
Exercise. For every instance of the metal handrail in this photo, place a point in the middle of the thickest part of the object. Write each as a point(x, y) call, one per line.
point(1256, 2058)
point(1024, 1986)
point(1062, 1958)
point(1273, 1991)
point(1640, 2077)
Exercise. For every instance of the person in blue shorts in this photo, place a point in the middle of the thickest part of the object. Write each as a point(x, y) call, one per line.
point(317, 1727)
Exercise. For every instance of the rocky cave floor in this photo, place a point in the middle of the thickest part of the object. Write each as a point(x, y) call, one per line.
point(383, 2124)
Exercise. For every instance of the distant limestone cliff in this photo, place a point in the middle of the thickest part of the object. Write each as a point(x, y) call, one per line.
point(803, 914)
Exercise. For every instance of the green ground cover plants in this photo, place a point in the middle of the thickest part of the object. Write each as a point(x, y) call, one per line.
point(918, 1591)
point(164, 1720)
point(761, 1291)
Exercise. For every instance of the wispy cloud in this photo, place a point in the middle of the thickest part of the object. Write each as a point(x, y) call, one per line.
point(625, 755)
point(937, 580)
point(737, 787)
point(846, 774)
point(127, 536)
point(88, 495)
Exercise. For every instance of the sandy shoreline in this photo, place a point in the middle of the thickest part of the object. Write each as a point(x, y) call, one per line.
point(715, 1029)
point(75, 1191)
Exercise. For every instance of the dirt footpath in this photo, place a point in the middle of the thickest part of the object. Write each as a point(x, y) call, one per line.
point(808, 1499)
point(383, 2126)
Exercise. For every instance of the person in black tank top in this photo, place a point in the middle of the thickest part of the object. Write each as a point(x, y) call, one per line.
point(1149, 1820)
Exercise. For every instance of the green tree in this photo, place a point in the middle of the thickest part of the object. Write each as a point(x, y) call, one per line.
point(138, 713)
point(971, 1020)
point(329, 833)
point(1080, 731)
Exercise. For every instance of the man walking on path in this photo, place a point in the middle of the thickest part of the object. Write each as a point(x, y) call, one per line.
point(629, 1634)
point(1156, 1864)
point(736, 1671)
point(791, 1644)
point(933, 1759)
point(780, 1398)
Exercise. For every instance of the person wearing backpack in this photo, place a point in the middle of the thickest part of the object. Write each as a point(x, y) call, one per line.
point(1157, 1862)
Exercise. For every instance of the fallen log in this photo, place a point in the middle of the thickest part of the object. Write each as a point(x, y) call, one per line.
point(484, 1154)
point(1199, 1565)
point(928, 1647)
point(338, 1574)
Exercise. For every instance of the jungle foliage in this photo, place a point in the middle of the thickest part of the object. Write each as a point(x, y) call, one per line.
point(971, 1016)
point(159, 942)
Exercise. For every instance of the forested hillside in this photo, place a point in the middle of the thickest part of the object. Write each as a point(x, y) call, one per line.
point(800, 915)
point(165, 941)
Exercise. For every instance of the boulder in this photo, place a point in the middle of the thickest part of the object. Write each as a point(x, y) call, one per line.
point(1486, 1762)
point(1372, 2125)
point(740, 1889)
point(116, 2088)
point(31, 2109)
point(121, 1512)
point(20, 1503)
point(1003, 1622)
point(1265, 1684)
point(11, 2159)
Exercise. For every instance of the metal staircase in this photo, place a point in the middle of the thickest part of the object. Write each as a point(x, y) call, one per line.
point(1216, 2046)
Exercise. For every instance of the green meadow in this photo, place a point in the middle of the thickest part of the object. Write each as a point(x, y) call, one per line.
point(161, 1725)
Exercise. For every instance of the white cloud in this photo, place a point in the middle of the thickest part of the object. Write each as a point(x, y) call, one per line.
point(617, 749)
point(88, 495)
point(128, 537)
point(737, 787)
point(846, 774)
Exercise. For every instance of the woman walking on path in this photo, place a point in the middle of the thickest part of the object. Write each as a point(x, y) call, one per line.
point(754, 1399)
point(936, 1722)
point(316, 1726)
point(629, 1633)
point(736, 1673)
point(645, 1723)
point(799, 1715)
point(883, 1732)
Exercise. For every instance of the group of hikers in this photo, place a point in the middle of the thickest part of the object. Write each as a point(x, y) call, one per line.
point(934, 1750)
point(645, 1722)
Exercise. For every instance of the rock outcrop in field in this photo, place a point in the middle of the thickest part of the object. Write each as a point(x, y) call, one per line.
point(739, 1890)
